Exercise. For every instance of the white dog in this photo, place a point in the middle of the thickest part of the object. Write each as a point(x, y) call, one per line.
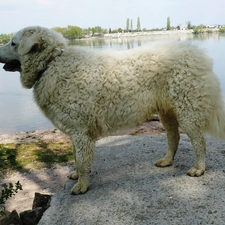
point(87, 94)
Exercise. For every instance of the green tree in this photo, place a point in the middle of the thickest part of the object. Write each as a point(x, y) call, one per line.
point(70, 32)
point(168, 27)
point(73, 32)
point(60, 30)
point(188, 24)
point(97, 30)
point(138, 24)
point(4, 38)
point(128, 24)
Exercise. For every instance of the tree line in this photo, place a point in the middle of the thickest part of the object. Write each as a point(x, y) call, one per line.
point(70, 32)
point(129, 25)
point(74, 32)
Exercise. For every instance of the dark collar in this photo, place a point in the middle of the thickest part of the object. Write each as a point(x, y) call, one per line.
point(40, 73)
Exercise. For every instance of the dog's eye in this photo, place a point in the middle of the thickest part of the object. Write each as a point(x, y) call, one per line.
point(13, 43)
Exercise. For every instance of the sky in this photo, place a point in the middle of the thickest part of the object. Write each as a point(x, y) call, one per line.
point(17, 14)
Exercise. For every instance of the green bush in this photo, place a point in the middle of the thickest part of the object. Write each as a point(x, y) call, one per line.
point(8, 190)
point(4, 38)
point(222, 30)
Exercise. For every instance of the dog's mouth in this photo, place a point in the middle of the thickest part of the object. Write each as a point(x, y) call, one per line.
point(13, 65)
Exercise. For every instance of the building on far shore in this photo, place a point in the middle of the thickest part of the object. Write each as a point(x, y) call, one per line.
point(213, 26)
point(183, 27)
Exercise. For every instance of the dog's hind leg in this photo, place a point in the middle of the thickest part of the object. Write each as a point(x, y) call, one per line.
point(73, 174)
point(171, 125)
point(83, 150)
point(199, 147)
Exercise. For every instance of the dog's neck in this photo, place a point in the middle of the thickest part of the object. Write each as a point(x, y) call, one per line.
point(41, 72)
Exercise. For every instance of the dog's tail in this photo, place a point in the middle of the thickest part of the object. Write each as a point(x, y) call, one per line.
point(216, 124)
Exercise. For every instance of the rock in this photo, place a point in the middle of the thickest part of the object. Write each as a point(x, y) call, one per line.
point(41, 200)
point(40, 204)
point(33, 216)
point(11, 219)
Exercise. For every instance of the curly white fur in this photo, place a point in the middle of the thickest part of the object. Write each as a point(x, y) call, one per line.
point(87, 94)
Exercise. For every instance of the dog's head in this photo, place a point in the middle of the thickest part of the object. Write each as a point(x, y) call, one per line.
point(30, 51)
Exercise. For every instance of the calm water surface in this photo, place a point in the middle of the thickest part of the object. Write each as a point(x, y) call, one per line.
point(18, 112)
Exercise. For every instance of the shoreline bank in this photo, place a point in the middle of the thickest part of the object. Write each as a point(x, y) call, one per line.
point(153, 33)
point(53, 134)
point(33, 136)
point(145, 33)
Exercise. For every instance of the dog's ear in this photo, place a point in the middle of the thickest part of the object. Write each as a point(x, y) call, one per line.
point(32, 43)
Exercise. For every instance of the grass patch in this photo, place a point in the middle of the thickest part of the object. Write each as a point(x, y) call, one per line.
point(7, 157)
point(32, 154)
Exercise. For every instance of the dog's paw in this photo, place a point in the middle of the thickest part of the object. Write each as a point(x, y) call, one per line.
point(164, 162)
point(79, 188)
point(73, 175)
point(195, 172)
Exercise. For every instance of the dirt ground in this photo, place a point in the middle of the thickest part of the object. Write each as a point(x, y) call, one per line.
point(50, 181)
point(126, 187)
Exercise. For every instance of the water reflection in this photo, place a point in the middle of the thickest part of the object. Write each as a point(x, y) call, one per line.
point(209, 36)
point(123, 43)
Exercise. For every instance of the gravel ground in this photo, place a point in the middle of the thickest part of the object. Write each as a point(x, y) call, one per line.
point(126, 187)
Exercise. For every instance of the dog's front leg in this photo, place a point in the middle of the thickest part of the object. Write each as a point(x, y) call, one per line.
point(83, 147)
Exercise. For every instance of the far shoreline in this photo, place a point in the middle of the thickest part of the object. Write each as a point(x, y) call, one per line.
point(137, 34)
point(149, 33)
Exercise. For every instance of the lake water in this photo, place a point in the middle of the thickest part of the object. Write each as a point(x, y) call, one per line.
point(18, 112)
